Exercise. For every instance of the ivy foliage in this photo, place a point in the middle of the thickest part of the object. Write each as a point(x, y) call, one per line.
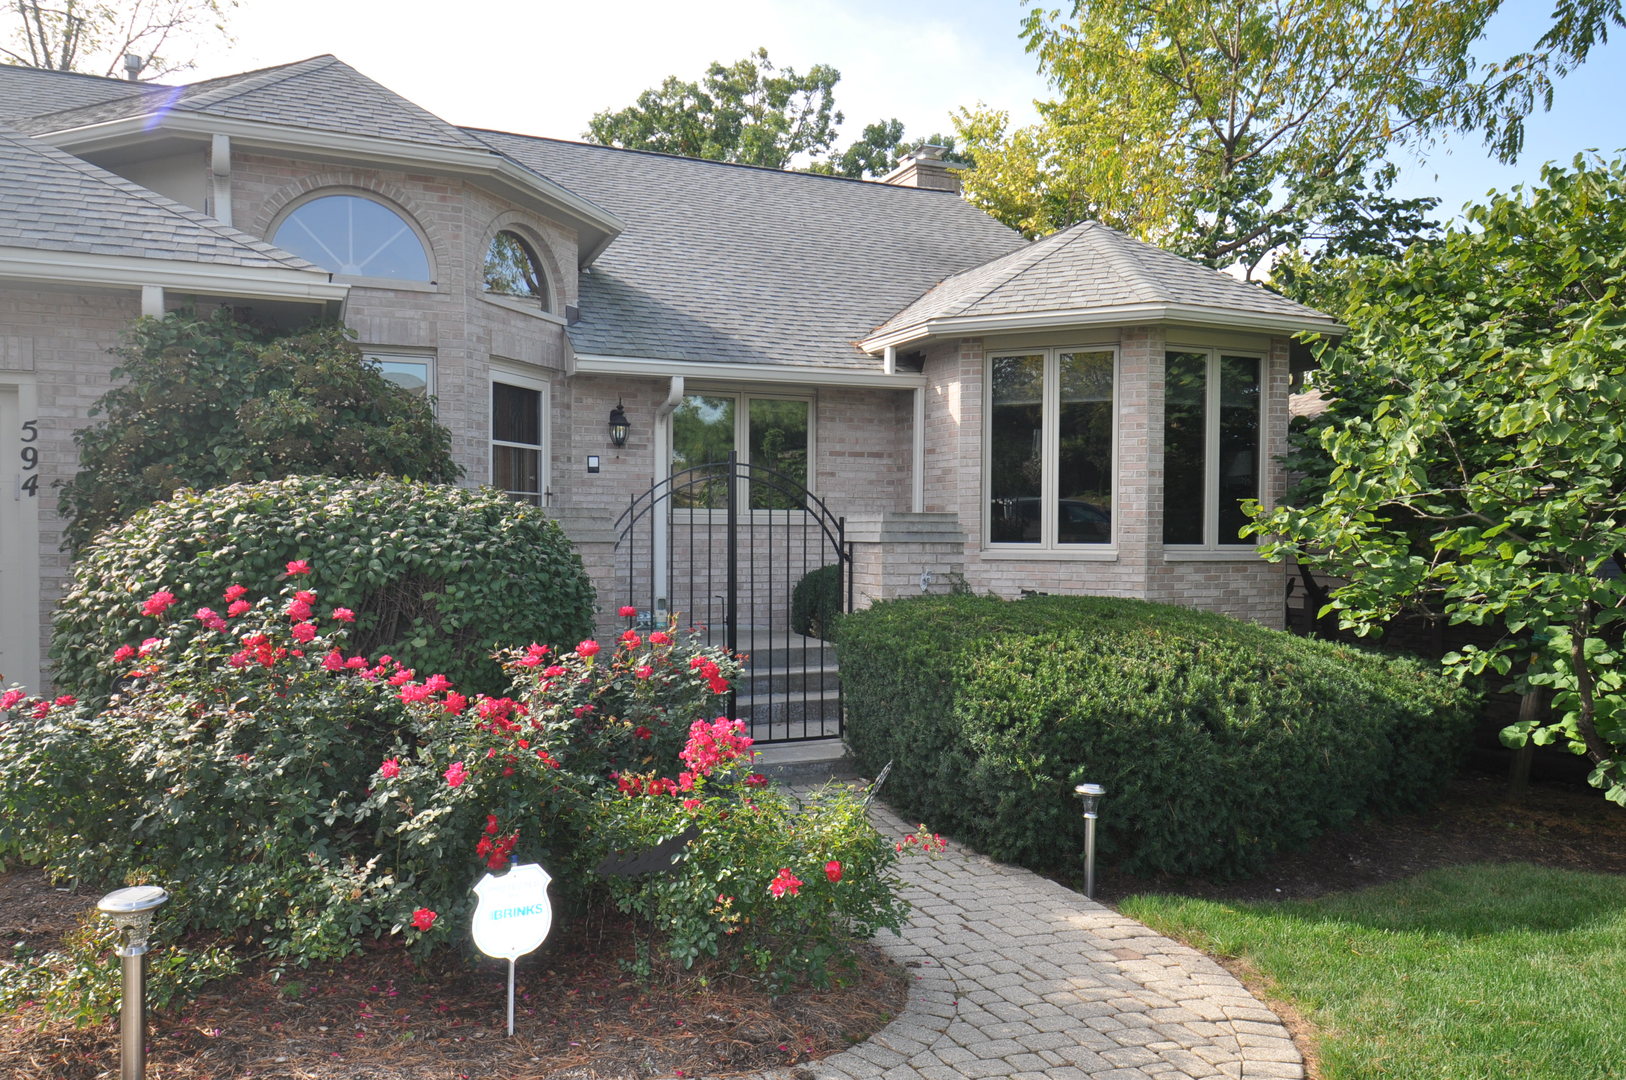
point(1473, 461)
point(1220, 743)
point(211, 401)
point(438, 576)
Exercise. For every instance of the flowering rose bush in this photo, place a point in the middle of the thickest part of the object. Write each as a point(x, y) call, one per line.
point(301, 796)
point(765, 884)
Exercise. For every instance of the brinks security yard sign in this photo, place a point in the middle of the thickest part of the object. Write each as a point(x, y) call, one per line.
point(512, 917)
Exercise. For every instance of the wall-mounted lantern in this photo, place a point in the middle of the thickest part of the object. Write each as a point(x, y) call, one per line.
point(618, 425)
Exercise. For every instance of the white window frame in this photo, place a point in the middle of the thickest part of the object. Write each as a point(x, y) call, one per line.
point(429, 284)
point(510, 375)
point(1210, 548)
point(742, 440)
point(402, 357)
point(1049, 455)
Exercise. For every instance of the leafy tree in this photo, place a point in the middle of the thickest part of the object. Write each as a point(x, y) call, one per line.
point(1228, 129)
point(748, 112)
point(93, 38)
point(1475, 451)
point(206, 402)
point(881, 149)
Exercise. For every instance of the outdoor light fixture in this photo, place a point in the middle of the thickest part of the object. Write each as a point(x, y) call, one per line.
point(1090, 796)
point(131, 911)
point(618, 424)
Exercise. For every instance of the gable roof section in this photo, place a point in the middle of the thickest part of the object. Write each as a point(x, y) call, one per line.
point(736, 264)
point(94, 227)
point(1091, 273)
point(321, 94)
point(26, 91)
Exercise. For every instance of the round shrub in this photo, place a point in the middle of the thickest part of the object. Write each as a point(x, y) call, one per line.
point(1220, 743)
point(816, 601)
point(438, 576)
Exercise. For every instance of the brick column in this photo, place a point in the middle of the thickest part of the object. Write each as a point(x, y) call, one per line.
point(892, 549)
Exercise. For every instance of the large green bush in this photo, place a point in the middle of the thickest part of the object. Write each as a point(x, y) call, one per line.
point(1219, 742)
point(205, 402)
point(437, 576)
point(816, 601)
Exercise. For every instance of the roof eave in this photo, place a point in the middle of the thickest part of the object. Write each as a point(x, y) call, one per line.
point(40, 266)
point(597, 226)
point(1122, 314)
point(781, 374)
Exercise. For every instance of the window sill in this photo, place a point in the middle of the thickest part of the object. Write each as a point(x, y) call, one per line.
point(395, 284)
point(522, 307)
point(1215, 554)
point(1081, 553)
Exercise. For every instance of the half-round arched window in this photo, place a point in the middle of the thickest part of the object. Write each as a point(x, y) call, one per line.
point(512, 269)
point(352, 235)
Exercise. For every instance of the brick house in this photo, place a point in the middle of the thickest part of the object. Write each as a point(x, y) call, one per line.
point(1078, 414)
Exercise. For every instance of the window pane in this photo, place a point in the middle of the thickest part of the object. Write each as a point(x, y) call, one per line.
point(409, 375)
point(1184, 437)
point(351, 235)
point(1016, 443)
point(778, 438)
point(1084, 465)
point(512, 269)
point(702, 437)
point(516, 414)
point(1238, 443)
point(517, 472)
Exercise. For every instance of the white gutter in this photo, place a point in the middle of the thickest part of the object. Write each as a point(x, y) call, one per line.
point(773, 374)
point(134, 272)
point(349, 149)
point(1122, 314)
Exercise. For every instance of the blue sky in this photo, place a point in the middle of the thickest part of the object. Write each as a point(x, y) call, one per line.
point(544, 67)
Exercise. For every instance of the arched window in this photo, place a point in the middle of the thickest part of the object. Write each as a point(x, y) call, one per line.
point(512, 269)
point(352, 235)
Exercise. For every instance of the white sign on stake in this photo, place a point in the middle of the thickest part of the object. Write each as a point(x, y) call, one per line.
point(513, 916)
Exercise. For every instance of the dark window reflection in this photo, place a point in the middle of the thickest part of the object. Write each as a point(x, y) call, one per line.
point(1184, 437)
point(1084, 462)
point(778, 436)
point(516, 417)
point(702, 435)
point(1238, 443)
point(1016, 442)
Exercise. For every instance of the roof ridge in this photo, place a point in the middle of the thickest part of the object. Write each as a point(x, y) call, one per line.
point(245, 82)
point(1022, 260)
point(102, 176)
point(1130, 267)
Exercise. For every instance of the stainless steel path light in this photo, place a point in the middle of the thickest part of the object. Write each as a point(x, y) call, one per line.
point(131, 911)
point(1090, 795)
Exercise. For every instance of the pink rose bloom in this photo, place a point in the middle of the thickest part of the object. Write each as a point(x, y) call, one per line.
point(660, 637)
point(390, 769)
point(234, 592)
point(343, 614)
point(456, 774)
point(123, 653)
point(785, 882)
point(158, 603)
point(423, 919)
point(300, 566)
point(832, 870)
point(10, 698)
point(628, 612)
point(588, 648)
point(237, 607)
point(303, 632)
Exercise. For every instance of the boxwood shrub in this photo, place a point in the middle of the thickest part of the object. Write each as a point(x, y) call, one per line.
point(438, 576)
point(1220, 742)
point(816, 601)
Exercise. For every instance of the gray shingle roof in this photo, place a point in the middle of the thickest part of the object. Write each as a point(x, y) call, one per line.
point(319, 94)
point(52, 201)
point(738, 264)
point(1090, 266)
point(26, 91)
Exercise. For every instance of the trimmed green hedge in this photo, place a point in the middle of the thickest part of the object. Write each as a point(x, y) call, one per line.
point(1220, 742)
point(439, 577)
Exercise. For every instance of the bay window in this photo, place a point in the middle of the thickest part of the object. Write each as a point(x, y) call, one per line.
point(1211, 445)
point(1051, 438)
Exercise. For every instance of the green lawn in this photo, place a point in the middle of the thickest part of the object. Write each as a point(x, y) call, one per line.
point(1472, 973)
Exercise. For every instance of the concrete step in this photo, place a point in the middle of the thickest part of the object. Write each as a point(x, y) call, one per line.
point(815, 762)
point(793, 680)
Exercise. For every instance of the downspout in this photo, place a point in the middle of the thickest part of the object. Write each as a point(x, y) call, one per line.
point(663, 509)
point(917, 453)
point(220, 178)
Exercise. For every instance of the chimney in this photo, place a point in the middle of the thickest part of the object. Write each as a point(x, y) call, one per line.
point(132, 66)
point(925, 168)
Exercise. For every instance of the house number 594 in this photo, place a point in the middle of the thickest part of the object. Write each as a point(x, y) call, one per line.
point(30, 485)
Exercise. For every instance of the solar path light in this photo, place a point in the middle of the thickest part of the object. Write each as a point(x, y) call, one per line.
point(131, 912)
point(1090, 795)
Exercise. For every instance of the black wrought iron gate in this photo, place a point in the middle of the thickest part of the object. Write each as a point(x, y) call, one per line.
point(721, 548)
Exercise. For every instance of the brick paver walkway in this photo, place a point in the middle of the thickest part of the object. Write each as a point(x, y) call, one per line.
point(1019, 977)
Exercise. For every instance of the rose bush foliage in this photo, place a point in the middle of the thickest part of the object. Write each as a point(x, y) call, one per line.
point(438, 576)
point(300, 797)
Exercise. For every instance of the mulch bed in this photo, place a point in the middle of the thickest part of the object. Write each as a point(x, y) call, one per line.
point(579, 1015)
